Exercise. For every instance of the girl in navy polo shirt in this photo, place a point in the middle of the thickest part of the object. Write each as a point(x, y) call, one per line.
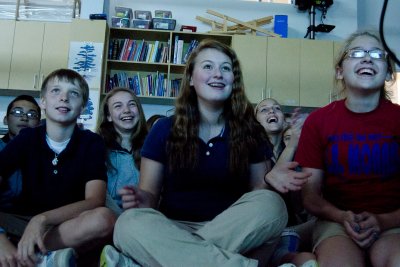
point(201, 199)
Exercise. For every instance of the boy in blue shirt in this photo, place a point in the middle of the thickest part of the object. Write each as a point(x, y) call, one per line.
point(64, 181)
point(22, 112)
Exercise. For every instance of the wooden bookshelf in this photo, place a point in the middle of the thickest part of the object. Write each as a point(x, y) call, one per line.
point(155, 78)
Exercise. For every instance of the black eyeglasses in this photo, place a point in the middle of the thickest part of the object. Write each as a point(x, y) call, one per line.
point(31, 115)
point(360, 53)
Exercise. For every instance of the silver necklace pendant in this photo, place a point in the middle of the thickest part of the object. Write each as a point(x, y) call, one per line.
point(55, 160)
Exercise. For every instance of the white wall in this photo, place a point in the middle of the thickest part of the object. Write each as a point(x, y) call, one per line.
point(91, 7)
point(343, 14)
point(369, 13)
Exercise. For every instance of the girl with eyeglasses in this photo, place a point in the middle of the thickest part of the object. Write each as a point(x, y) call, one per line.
point(352, 149)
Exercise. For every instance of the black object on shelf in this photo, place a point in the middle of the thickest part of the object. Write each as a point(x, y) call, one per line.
point(101, 16)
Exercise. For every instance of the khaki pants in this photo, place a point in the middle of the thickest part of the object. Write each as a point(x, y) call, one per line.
point(326, 229)
point(152, 239)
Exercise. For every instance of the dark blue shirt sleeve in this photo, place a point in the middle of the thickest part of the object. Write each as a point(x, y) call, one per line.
point(13, 156)
point(155, 144)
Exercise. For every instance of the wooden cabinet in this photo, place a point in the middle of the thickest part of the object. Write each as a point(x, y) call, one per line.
point(283, 70)
point(38, 49)
point(6, 43)
point(294, 72)
point(337, 46)
point(316, 73)
point(55, 48)
point(143, 60)
point(270, 68)
point(252, 54)
point(26, 55)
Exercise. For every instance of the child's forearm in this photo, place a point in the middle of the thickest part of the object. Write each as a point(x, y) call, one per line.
point(59, 215)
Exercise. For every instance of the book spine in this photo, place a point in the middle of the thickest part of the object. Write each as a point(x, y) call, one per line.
point(133, 50)
point(115, 49)
point(127, 50)
point(160, 51)
point(179, 52)
point(193, 44)
point(123, 49)
point(155, 52)
point(143, 52)
point(138, 51)
point(150, 51)
point(175, 49)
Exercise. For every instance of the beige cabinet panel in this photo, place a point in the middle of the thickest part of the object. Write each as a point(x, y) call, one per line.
point(6, 46)
point(336, 50)
point(252, 54)
point(283, 70)
point(316, 73)
point(91, 31)
point(55, 48)
point(26, 57)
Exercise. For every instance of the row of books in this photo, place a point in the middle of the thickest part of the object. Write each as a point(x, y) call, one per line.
point(153, 84)
point(138, 50)
point(182, 51)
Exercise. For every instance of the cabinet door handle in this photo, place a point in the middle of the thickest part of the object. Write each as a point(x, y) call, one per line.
point(35, 79)
point(41, 81)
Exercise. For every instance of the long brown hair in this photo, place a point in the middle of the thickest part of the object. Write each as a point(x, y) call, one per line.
point(246, 133)
point(106, 128)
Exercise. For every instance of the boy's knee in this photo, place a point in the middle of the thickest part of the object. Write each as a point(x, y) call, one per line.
point(103, 221)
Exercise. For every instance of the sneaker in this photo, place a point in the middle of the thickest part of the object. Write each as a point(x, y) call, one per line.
point(58, 258)
point(110, 257)
point(310, 263)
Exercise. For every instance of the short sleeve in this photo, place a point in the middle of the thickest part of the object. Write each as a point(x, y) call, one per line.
point(13, 155)
point(155, 144)
point(95, 168)
point(310, 151)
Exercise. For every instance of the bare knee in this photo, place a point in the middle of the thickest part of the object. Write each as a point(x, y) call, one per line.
point(385, 251)
point(101, 221)
point(339, 251)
